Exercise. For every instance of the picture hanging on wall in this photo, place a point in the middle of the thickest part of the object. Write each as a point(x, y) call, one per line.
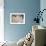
point(17, 18)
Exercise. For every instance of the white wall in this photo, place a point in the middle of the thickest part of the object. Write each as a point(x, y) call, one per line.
point(43, 6)
point(1, 21)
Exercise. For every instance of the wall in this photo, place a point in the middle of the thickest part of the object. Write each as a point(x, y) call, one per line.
point(43, 6)
point(1, 21)
point(29, 7)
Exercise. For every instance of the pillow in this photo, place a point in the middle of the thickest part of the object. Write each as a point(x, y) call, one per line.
point(21, 42)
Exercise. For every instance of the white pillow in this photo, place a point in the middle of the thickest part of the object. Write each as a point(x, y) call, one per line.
point(21, 42)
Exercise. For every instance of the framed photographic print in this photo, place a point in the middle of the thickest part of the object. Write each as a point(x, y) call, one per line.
point(17, 18)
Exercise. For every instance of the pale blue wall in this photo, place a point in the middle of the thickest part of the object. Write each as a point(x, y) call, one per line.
point(43, 6)
point(29, 7)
